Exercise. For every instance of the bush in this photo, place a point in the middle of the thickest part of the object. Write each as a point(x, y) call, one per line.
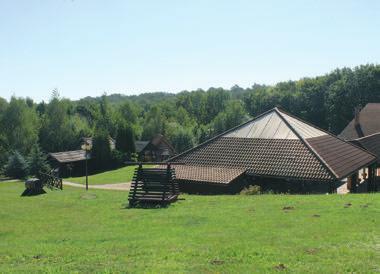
point(118, 158)
point(16, 167)
point(37, 162)
point(251, 190)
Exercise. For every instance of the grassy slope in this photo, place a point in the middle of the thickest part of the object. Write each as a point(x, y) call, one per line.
point(120, 175)
point(63, 232)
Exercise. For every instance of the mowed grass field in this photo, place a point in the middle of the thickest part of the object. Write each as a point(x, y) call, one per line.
point(121, 175)
point(72, 231)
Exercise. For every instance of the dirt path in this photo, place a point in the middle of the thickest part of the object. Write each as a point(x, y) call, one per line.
point(119, 186)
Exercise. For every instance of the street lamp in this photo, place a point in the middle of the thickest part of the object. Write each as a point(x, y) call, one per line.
point(87, 148)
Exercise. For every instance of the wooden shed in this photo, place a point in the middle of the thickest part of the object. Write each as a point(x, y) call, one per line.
point(69, 163)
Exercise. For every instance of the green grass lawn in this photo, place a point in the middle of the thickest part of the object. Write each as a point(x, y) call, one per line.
point(121, 175)
point(74, 231)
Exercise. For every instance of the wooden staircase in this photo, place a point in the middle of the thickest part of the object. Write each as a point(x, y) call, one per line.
point(153, 186)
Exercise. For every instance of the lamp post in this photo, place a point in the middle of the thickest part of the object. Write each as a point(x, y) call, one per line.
point(87, 148)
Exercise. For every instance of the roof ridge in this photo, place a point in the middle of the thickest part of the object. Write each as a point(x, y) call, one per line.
point(364, 137)
point(304, 141)
point(327, 132)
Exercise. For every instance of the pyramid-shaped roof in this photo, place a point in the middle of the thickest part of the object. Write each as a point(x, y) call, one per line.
point(278, 144)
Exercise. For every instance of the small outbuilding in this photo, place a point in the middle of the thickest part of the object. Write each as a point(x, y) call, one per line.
point(275, 150)
point(72, 163)
point(69, 163)
point(157, 149)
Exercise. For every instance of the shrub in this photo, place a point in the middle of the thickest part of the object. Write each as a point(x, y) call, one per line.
point(251, 190)
point(17, 166)
point(118, 158)
point(134, 157)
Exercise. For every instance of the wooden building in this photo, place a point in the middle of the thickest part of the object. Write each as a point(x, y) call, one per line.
point(364, 131)
point(275, 150)
point(156, 150)
point(69, 163)
point(72, 163)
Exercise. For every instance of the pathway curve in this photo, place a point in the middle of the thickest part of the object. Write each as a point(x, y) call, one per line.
point(118, 186)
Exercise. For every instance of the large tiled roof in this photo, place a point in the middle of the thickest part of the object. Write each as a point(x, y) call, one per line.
point(277, 144)
point(369, 122)
point(69, 156)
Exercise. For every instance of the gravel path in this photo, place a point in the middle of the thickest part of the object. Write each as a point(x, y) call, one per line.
point(118, 186)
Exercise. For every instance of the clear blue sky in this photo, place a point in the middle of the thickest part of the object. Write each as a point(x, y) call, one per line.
point(90, 47)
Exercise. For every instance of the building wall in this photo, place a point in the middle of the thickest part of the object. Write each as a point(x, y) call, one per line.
point(271, 185)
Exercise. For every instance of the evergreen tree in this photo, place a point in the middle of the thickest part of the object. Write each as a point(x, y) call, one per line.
point(17, 166)
point(101, 150)
point(37, 162)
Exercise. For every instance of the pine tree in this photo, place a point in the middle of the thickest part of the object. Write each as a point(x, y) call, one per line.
point(17, 166)
point(101, 151)
point(37, 162)
point(125, 139)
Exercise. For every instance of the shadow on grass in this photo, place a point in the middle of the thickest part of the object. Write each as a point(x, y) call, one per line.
point(33, 192)
point(145, 205)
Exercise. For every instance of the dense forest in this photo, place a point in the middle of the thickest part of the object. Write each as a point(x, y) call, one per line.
point(30, 129)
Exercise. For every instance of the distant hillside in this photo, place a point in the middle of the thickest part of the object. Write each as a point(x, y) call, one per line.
point(149, 98)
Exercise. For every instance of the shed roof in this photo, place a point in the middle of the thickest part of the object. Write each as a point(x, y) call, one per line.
point(156, 141)
point(140, 145)
point(69, 156)
point(278, 144)
point(368, 120)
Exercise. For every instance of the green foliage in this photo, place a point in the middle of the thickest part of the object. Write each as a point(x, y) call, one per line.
point(17, 166)
point(37, 162)
point(129, 112)
point(61, 129)
point(154, 123)
point(233, 115)
point(19, 125)
point(182, 139)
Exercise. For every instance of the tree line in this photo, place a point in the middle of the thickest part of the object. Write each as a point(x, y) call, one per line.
point(186, 119)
